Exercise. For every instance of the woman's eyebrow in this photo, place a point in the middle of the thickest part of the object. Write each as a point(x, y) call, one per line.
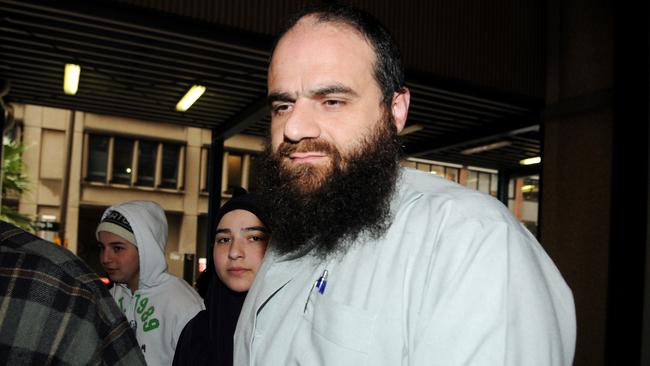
point(223, 230)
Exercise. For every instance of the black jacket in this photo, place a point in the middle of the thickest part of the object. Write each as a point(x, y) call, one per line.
point(207, 339)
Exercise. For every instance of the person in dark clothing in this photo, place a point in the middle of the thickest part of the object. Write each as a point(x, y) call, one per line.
point(202, 283)
point(237, 252)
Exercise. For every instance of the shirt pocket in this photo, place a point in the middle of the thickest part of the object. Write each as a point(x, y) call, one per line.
point(338, 334)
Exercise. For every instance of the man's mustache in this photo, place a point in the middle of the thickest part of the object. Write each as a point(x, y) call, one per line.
point(287, 148)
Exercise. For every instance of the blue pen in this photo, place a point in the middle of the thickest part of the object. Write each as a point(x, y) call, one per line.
point(322, 282)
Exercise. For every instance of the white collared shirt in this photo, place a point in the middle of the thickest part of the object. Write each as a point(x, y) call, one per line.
point(456, 280)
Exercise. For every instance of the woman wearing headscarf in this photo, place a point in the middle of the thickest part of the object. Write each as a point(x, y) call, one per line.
point(237, 252)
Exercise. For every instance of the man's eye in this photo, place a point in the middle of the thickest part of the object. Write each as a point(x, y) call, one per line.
point(117, 249)
point(281, 108)
point(333, 103)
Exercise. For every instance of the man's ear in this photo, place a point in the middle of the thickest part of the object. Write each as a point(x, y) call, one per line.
point(400, 107)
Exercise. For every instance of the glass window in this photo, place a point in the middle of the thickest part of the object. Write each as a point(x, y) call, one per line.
point(523, 204)
point(530, 190)
point(408, 164)
point(122, 160)
point(97, 158)
point(472, 179)
point(169, 177)
point(234, 171)
point(423, 167)
point(494, 184)
point(484, 182)
point(451, 174)
point(438, 170)
point(146, 162)
point(15, 132)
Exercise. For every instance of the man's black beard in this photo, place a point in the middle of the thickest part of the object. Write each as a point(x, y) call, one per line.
point(353, 200)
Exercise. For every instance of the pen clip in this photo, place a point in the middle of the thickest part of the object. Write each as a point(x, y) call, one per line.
point(322, 282)
point(319, 285)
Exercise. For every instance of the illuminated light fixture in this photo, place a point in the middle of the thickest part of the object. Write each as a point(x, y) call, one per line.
point(531, 161)
point(528, 188)
point(488, 147)
point(190, 97)
point(411, 129)
point(71, 79)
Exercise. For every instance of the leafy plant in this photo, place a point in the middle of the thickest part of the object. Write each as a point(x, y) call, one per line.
point(14, 184)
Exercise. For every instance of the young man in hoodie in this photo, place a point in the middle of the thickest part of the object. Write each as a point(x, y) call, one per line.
point(132, 238)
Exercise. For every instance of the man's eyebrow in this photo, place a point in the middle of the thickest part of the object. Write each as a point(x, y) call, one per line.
point(333, 89)
point(318, 93)
point(219, 231)
point(279, 97)
point(256, 228)
point(112, 243)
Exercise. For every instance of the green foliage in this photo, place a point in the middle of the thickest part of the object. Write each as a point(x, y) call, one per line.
point(14, 183)
point(10, 215)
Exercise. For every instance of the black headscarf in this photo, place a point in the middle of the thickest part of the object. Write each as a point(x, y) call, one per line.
point(207, 339)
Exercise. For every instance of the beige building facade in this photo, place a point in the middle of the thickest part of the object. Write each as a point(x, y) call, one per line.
point(104, 160)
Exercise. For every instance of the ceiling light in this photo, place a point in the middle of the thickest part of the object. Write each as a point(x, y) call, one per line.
point(531, 161)
point(528, 188)
point(483, 148)
point(71, 78)
point(411, 129)
point(190, 97)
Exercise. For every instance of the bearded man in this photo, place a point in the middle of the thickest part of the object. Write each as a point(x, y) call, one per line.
point(371, 264)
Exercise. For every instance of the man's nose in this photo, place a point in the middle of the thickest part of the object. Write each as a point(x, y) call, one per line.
point(105, 256)
point(302, 123)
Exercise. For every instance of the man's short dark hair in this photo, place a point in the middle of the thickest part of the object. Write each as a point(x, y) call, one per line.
point(388, 72)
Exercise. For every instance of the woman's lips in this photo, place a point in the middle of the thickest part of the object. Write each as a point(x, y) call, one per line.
point(237, 271)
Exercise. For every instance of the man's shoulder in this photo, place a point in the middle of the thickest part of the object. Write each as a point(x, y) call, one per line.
point(431, 192)
point(56, 268)
point(43, 254)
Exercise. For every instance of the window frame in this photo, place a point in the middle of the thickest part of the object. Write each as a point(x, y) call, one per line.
point(133, 183)
point(245, 169)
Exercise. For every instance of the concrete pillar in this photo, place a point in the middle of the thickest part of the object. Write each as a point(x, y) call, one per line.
point(577, 157)
point(189, 223)
point(33, 120)
point(74, 185)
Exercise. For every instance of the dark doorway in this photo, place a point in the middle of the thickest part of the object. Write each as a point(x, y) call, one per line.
point(87, 247)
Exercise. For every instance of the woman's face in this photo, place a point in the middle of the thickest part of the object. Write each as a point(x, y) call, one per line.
point(239, 247)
